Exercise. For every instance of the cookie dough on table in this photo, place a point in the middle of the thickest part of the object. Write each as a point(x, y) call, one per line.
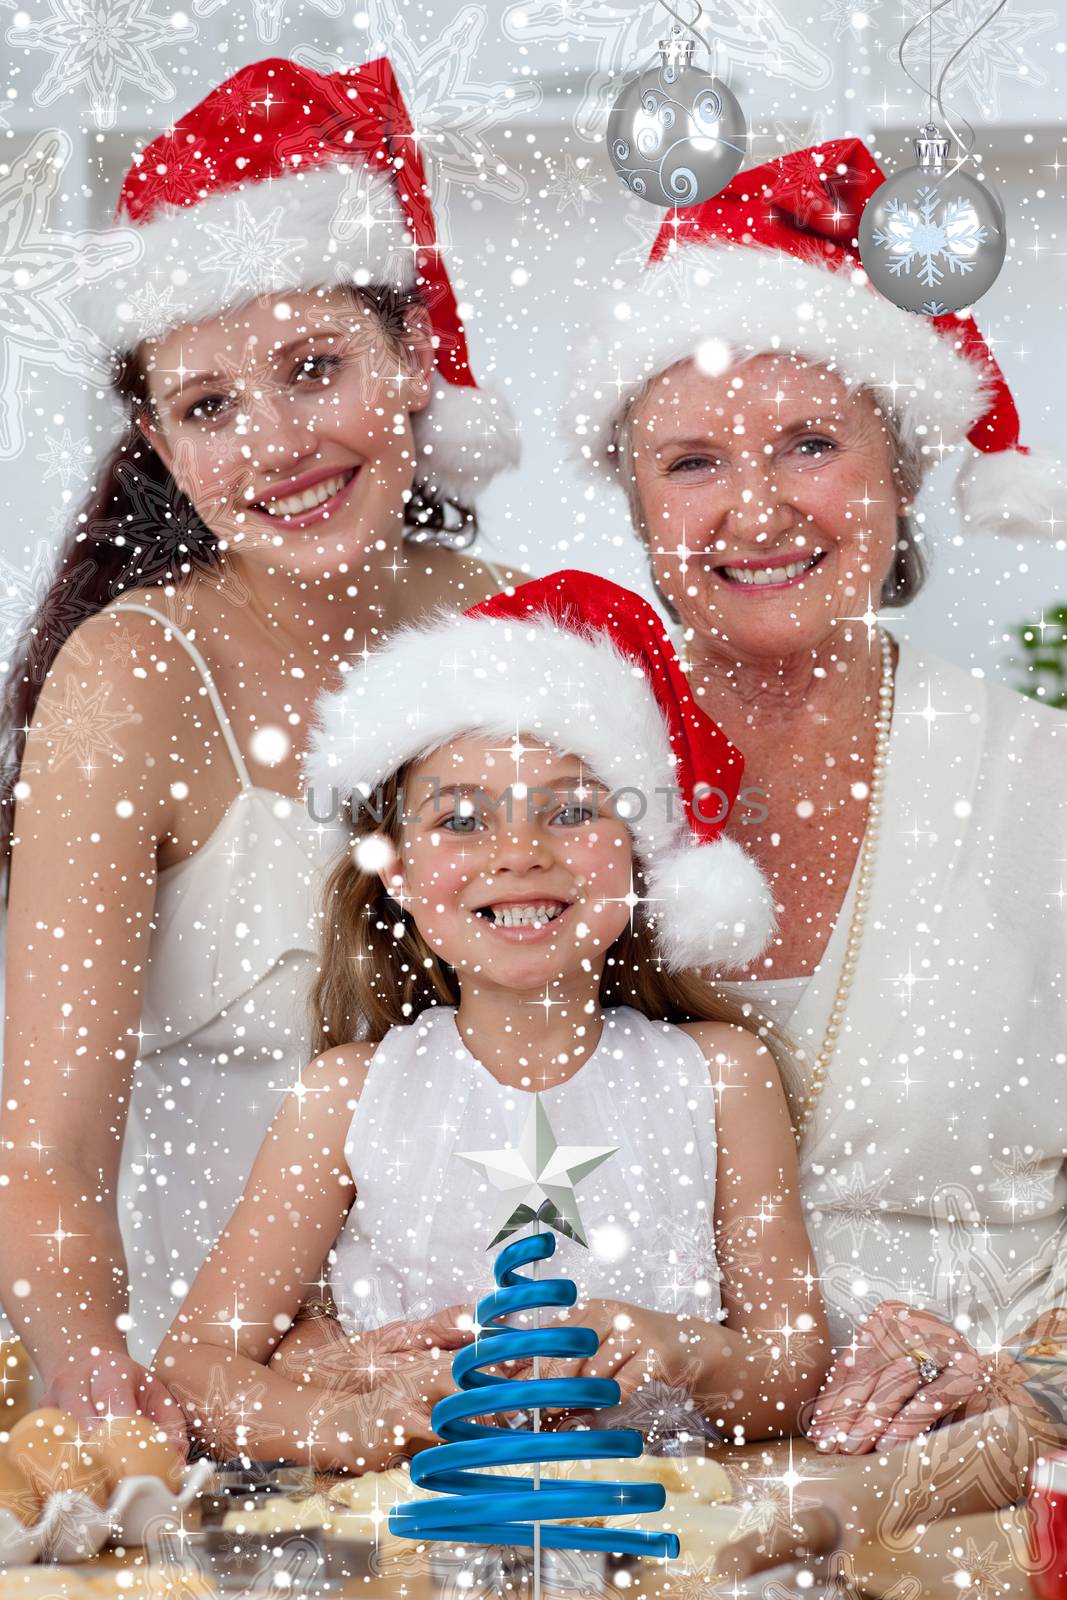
point(697, 1492)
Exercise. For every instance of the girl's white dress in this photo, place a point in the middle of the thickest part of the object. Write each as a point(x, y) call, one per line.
point(417, 1237)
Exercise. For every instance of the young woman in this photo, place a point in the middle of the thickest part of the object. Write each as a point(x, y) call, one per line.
point(516, 915)
point(302, 433)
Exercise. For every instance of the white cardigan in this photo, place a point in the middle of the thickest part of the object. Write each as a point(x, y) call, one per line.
point(936, 1168)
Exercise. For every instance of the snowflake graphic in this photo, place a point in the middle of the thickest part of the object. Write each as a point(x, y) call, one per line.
point(1025, 1182)
point(252, 255)
point(22, 588)
point(849, 16)
point(291, 1565)
point(43, 270)
point(102, 44)
point(854, 1205)
point(121, 647)
point(74, 1527)
point(767, 1505)
point(575, 185)
point(984, 1573)
point(226, 1409)
point(644, 225)
point(162, 535)
point(691, 1582)
point(686, 1261)
point(82, 727)
point(153, 310)
point(453, 112)
point(998, 56)
point(661, 1410)
point(267, 14)
point(625, 37)
point(844, 1584)
point(66, 459)
point(795, 133)
point(931, 232)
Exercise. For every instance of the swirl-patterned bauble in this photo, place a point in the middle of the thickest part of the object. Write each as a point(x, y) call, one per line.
point(676, 135)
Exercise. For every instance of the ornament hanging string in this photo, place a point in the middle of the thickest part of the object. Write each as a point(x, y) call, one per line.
point(687, 27)
point(936, 95)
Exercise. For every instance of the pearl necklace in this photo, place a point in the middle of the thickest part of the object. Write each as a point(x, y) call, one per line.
point(883, 723)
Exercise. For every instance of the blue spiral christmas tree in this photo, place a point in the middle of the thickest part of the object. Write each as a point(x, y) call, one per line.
point(481, 1508)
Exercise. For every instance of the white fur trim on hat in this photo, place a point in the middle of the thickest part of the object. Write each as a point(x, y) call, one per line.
point(723, 304)
point(464, 438)
point(575, 692)
point(1011, 492)
point(330, 225)
point(736, 924)
point(340, 224)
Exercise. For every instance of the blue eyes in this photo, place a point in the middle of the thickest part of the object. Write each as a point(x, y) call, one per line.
point(462, 822)
point(210, 407)
point(812, 448)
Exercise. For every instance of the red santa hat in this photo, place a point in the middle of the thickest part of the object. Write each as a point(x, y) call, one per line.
point(584, 666)
point(771, 264)
point(284, 178)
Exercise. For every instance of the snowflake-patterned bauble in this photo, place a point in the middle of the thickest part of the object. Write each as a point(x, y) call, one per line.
point(676, 135)
point(931, 239)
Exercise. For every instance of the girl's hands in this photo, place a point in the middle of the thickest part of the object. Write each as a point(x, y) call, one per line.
point(111, 1383)
point(317, 1350)
point(875, 1397)
point(635, 1346)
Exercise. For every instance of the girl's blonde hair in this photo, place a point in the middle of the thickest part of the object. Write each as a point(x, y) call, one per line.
point(372, 978)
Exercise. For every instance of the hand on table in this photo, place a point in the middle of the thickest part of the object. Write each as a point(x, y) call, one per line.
point(317, 1350)
point(636, 1346)
point(875, 1396)
point(112, 1383)
point(829, 1520)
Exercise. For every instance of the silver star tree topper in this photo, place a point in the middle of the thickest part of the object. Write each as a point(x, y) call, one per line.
point(538, 1179)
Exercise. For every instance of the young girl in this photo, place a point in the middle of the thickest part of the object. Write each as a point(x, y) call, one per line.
point(537, 861)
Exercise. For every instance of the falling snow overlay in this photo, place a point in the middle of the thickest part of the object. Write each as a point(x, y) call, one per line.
point(452, 610)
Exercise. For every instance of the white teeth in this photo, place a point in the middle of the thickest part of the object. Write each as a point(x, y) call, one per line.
point(294, 504)
point(761, 575)
point(526, 916)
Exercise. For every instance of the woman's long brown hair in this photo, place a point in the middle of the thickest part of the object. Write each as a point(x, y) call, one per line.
point(377, 972)
point(137, 529)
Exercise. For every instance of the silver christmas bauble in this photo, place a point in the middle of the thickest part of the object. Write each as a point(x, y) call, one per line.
point(930, 239)
point(676, 135)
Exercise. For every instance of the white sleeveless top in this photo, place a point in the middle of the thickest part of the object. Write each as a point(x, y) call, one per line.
point(235, 935)
point(417, 1236)
point(232, 953)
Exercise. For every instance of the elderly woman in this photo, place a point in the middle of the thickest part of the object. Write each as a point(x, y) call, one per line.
point(770, 418)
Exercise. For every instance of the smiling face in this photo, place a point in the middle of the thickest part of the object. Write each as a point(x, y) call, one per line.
point(520, 882)
point(768, 500)
point(287, 423)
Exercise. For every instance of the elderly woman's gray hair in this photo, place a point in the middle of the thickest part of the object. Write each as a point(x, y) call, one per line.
point(909, 570)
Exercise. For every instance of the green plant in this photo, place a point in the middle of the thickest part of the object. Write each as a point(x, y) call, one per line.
point(1043, 664)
